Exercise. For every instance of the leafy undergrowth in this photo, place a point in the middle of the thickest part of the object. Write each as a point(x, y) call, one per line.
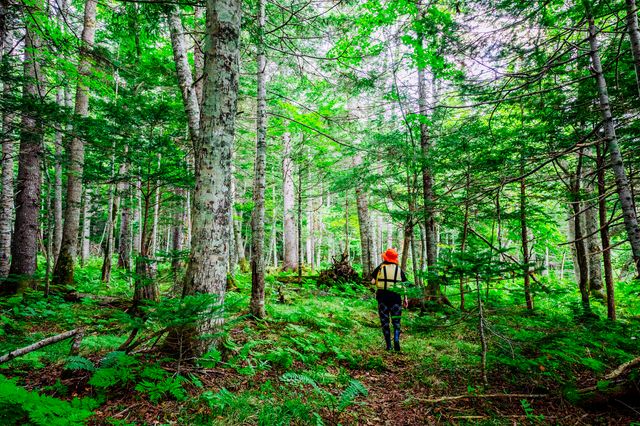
point(316, 359)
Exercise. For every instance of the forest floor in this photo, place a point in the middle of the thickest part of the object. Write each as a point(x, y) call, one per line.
point(318, 358)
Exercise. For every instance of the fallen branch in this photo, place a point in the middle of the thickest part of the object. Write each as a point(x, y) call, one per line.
point(614, 379)
point(622, 369)
point(41, 344)
point(488, 395)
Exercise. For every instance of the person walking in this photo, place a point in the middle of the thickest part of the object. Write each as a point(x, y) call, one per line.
point(391, 295)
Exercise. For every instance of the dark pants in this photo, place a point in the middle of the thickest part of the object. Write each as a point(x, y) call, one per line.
point(390, 310)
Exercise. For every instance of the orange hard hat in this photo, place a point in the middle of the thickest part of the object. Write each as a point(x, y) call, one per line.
point(390, 255)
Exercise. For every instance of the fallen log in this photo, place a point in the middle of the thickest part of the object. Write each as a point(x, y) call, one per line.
point(481, 396)
point(294, 279)
point(614, 384)
point(41, 344)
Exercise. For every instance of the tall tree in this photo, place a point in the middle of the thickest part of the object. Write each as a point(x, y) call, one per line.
point(611, 141)
point(634, 37)
point(366, 237)
point(6, 196)
point(289, 232)
point(24, 245)
point(63, 271)
point(207, 270)
point(257, 217)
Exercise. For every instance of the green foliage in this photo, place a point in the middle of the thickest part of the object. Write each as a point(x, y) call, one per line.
point(159, 389)
point(79, 363)
point(116, 369)
point(336, 404)
point(21, 407)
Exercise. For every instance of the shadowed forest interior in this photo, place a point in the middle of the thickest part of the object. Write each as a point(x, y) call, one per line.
point(197, 199)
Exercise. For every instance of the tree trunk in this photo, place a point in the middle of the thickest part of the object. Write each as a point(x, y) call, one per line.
point(604, 235)
point(57, 185)
point(366, 239)
point(6, 196)
point(579, 241)
point(24, 245)
point(145, 285)
point(406, 243)
point(465, 234)
point(183, 71)
point(299, 227)
point(622, 182)
point(124, 248)
point(207, 271)
point(256, 305)
point(177, 238)
point(290, 250)
point(110, 228)
point(524, 234)
point(634, 37)
point(137, 214)
point(593, 246)
point(63, 271)
point(427, 183)
point(156, 213)
point(198, 54)
point(85, 245)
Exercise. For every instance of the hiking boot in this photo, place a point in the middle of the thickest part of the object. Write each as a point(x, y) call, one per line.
point(396, 346)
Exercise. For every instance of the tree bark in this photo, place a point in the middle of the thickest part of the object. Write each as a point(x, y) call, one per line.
point(604, 235)
point(207, 271)
point(183, 72)
point(198, 54)
point(616, 163)
point(63, 271)
point(290, 250)
point(592, 245)
point(634, 37)
point(6, 196)
point(24, 245)
point(124, 248)
point(110, 229)
point(465, 234)
point(156, 212)
point(366, 239)
point(256, 305)
point(433, 286)
point(85, 246)
point(524, 234)
point(579, 241)
point(178, 236)
point(145, 285)
point(57, 185)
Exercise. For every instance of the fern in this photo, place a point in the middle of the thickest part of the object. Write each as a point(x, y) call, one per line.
point(117, 368)
point(169, 386)
point(19, 406)
point(220, 400)
point(79, 363)
point(351, 392)
point(299, 379)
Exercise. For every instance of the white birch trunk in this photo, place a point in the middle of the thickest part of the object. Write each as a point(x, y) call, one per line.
point(156, 213)
point(290, 249)
point(6, 196)
point(616, 164)
point(256, 305)
point(85, 247)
